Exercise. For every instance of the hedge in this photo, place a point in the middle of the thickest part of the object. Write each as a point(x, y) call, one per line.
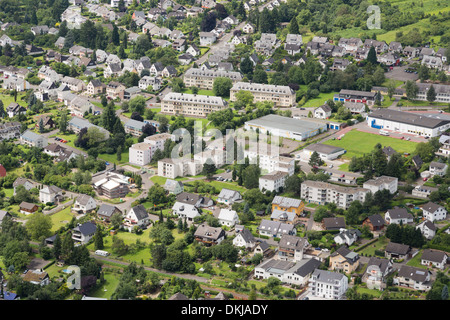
point(367, 244)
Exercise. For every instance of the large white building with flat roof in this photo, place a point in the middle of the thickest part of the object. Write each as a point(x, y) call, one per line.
point(286, 127)
point(407, 122)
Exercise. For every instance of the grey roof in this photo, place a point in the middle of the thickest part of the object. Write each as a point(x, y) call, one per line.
point(259, 87)
point(327, 276)
point(247, 235)
point(30, 135)
point(389, 151)
point(437, 165)
point(27, 205)
point(399, 213)
point(431, 207)
point(334, 223)
point(228, 194)
point(292, 242)
point(381, 263)
point(210, 232)
point(408, 118)
point(171, 184)
point(275, 227)
point(87, 228)
point(433, 255)
point(282, 215)
point(140, 212)
point(306, 266)
point(83, 199)
point(376, 220)
point(397, 248)
point(323, 148)
point(286, 202)
point(416, 274)
point(107, 210)
point(345, 252)
point(284, 123)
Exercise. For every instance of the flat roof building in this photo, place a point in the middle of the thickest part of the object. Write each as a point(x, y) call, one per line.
point(286, 127)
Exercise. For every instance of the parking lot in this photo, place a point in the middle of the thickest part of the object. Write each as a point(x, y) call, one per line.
point(399, 73)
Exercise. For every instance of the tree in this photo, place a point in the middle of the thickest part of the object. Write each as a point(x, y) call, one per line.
point(246, 66)
point(115, 38)
point(431, 94)
point(411, 89)
point(39, 226)
point(137, 104)
point(98, 239)
point(260, 76)
point(63, 122)
point(293, 184)
point(372, 56)
point(209, 169)
point(293, 26)
point(391, 88)
point(315, 160)
point(222, 86)
point(251, 176)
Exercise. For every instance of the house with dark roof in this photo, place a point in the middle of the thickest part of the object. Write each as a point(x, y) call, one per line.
point(83, 233)
point(196, 200)
point(434, 212)
point(209, 235)
point(106, 211)
point(344, 260)
point(427, 228)
point(136, 217)
point(333, 223)
point(397, 251)
point(434, 258)
point(28, 208)
point(377, 271)
point(375, 222)
point(245, 239)
point(291, 247)
point(398, 215)
point(414, 278)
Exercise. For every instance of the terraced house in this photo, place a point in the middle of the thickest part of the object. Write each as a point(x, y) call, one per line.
point(204, 79)
point(281, 96)
point(191, 105)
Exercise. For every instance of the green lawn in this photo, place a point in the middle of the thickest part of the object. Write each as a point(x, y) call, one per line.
point(69, 137)
point(61, 218)
point(320, 100)
point(378, 245)
point(357, 143)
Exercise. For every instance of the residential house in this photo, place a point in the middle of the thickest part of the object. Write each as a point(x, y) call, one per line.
point(249, 28)
point(83, 233)
point(156, 69)
point(434, 212)
point(193, 50)
point(115, 90)
point(95, 87)
point(296, 273)
point(106, 211)
point(288, 204)
point(136, 217)
point(28, 208)
point(340, 64)
point(147, 81)
point(411, 52)
point(414, 278)
point(398, 215)
point(397, 251)
point(173, 186)
point(328, 284)
point(427, 228)
point(169, 72)
point(322, 112)
point(227, 217)
point(333, 223)
point(423, 191)
point(207, 38)
point(382, 183)
point(173, 168)
point(84, 204)
point(377, 271)
point(50, 194)
point(347, 237)
point(228, 196)
point(275, 228)
point(209, 235)
point(27, 184)
point(10, 130)
point(291, 247)
point(375, 222)
point(185, 59)
point(196, 200)
point(112, 70)
point(185, 211)
point(434, 258)
point(32, 139)
point(37, 277)
point(264, 249)
point(244, 239)
point(344, 260)
point(14, 109)
point(438, 168)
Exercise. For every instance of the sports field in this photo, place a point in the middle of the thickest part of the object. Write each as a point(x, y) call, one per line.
point(358, 143)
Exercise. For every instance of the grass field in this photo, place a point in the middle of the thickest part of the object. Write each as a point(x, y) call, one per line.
point(358, 143)
point(61, 218)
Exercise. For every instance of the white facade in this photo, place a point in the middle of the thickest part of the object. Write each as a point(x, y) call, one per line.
point(434, 212)
point(273, 181)
point(328, 285)
point(381, 183)
point(228, 217)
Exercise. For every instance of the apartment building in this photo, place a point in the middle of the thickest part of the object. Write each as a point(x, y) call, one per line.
point(33, 139)
point(142, 153)
point(281, 96)
point(270, 161)
point(327, 284)
point(191, 105)
point(381, 183)
point(323, 192)
point(173, 168)
point(10, 130)
point(273, 181)
point(204, 79)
